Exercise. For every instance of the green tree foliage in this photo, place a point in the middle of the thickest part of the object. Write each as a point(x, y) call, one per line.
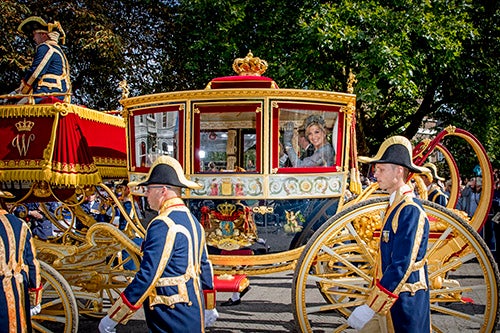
point(412, 59)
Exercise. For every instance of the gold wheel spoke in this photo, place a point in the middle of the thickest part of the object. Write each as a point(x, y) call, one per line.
point(452, 265)
point(346, 262)
point(52, 318)
point(363, 248)
point(455, 313)
point(40, 328)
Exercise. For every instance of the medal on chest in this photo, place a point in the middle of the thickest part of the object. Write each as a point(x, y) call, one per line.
point(385, 236)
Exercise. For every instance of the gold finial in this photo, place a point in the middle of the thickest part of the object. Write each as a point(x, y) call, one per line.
point(250, 65)
point(351, 80)
point(124, 87)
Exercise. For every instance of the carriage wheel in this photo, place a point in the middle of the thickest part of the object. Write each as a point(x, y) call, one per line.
point(333, 273)
point(110, 279)
point(59, 310)
point(97, 283)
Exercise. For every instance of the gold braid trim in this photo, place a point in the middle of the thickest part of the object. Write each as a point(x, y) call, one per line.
point(7, 271)
point(414, 265)
point(50, 110)
point(98, 116)
point(380, 299)
point(27, 110)
point(210, 299)
point(118, 171)
point(121, 312)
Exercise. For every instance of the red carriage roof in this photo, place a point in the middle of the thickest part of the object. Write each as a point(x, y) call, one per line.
point(62, 144)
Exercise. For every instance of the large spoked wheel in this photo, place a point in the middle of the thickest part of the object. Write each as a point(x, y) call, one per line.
point(112, 279)
point(59, 310)
point(97, 285)
point(334, 272)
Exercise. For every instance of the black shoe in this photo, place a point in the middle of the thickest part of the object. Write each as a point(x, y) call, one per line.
point(230, 302)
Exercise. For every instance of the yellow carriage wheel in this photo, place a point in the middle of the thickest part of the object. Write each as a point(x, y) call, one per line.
point(106, 276)
point(111, 280)
point(334, 271)
point(59, 310)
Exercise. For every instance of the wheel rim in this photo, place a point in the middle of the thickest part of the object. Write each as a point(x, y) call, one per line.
point(59, 310)
point(109, 279)
point(334, 271)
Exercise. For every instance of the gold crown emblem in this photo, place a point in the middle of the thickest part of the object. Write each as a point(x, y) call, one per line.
point(249, 65)
point(25, 125)
point(226, 209)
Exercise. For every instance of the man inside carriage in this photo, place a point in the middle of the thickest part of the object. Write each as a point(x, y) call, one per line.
point(48, 77)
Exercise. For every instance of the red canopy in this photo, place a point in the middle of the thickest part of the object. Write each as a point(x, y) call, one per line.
point(63, 144)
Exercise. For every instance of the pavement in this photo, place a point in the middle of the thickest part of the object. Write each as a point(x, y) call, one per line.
point(266, 308)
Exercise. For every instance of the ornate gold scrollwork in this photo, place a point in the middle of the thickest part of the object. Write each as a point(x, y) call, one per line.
point(263, 210)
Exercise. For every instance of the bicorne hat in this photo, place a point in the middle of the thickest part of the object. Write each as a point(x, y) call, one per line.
point(395, 150)
point(432, 171)
point(167, 170)
point(35, 23)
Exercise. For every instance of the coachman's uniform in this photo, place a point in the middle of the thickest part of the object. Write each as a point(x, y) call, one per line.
point(49, 72)
point(19, 274)
point(175, 276)
point(435, 194)
point(171, 293)
point(402, 289)
point(399, 298)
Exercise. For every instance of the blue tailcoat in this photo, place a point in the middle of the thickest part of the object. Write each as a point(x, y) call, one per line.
point(436, 195)
point(403, 243)
point(174, 245)
point(18, 274)
point(49, 71)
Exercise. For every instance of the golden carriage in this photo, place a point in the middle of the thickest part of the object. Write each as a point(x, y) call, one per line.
point(317, 221)
point(60, 153)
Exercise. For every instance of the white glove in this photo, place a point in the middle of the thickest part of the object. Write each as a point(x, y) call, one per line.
point(288, 134)
point(360, 316)
point(210, 317)
point(34, 310)
point(107, 325)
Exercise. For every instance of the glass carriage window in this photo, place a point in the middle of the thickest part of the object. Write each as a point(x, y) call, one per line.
point(154, 133)
point(308, 135)
point(227, 137)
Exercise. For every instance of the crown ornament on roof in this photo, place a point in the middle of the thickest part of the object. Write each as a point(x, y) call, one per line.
point(25, 125)
point(250, 65)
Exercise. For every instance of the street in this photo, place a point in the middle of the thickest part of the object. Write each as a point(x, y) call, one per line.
point(265, 308)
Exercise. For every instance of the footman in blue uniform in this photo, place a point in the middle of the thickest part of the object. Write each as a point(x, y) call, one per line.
point(399, 298)
point(49, 72)
point(21, 287)
point(175, 279)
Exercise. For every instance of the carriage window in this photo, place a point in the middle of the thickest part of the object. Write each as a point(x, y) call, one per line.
point(308, 136)
point(228, 138)
point(155, 134)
